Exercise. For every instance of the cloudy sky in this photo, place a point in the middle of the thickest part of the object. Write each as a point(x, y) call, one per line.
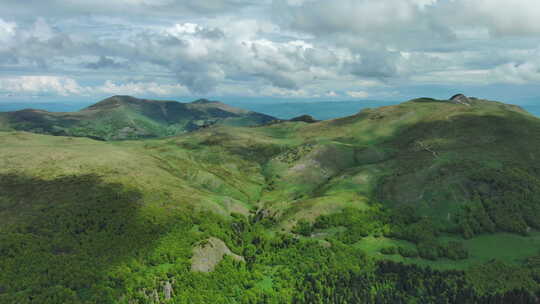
point(269, 49)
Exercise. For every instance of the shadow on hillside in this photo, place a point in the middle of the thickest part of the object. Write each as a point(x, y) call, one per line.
point(487, 162)
point(60, 238)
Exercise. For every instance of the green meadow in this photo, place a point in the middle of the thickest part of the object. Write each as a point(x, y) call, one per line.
point(421, 202)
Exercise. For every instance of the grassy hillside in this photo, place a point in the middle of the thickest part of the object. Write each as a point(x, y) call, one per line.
point(421, 202)
point(125, 117)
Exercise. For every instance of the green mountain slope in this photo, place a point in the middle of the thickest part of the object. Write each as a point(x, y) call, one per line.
point(428, 201)
point(125, 117)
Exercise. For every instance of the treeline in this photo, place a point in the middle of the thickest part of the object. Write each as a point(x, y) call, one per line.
point(398, 283)
point(400, 223)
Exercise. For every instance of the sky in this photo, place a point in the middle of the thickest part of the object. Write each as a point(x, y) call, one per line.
point(252, 50)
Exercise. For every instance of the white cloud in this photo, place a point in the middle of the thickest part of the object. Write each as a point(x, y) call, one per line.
point(142, 88)
point(358, 94)
point(363, 23)
point(501, 17)
point(423, 3)
point(331, 94)
point(305, 49)
point(64, 86)
point(282, 92)
point(185, 28)
point(517, 73)
point(7, 31)
point(122, 8)
point(456, 76)
point(49, 85)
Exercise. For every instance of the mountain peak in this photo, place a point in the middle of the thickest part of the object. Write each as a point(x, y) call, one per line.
point(460, 98)
point(127, 117)
point(304, 118)
point(121, 98)
point(112, 102)
point(204, 101)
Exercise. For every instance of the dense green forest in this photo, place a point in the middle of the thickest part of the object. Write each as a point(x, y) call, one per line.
point(122, 256)
point(425, 202)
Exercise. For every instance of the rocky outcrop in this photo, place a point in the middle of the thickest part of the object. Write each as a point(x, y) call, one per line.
point(208, 253)
point(167, 290)
point(461, 99)
point(152, 296)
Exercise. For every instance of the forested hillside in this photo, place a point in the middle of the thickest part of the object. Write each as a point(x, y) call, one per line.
point(428, 201)
point(126, 117)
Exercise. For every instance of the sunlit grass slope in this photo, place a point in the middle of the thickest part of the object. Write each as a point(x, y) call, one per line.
point(126, 117)
point(314, 209)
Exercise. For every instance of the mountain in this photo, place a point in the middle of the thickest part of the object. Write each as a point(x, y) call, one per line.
point(304, 118)
point(126, 117)
point(427, 201)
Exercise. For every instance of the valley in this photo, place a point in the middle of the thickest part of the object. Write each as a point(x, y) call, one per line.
point(396, 202)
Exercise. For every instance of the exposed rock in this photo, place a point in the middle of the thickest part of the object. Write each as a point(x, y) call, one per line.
point(208, 253)
point(167, 290)
point(292, 155)
point(154, 297)
point(151, 296)
point(304, 118)
point(461, 99)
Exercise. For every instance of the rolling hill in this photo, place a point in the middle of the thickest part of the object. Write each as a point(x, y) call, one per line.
point(428, 201)
point(126, 117)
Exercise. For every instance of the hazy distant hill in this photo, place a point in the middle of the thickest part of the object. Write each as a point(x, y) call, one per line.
point(125, 117)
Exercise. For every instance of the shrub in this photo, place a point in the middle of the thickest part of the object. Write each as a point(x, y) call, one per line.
point(428, 250)
point(389, 250)
point(407, 252)
point(303, 227)
point(455, 251)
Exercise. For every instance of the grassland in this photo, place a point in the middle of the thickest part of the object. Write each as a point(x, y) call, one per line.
point(446, 185)
point(126, 117)
point(510, 248)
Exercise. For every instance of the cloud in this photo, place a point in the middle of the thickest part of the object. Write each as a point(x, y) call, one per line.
point(304, 49)
point(517, 73)
point(381, 64)
point(370, 22)
point(358, 94)
point(181, 29)
point(64, 86)
point(403, 21)
point(122, 8)
point(142, 88)
point(41, 85)
point(7, 30)
point(104, 62)
point(501, 18)
point(331, 94)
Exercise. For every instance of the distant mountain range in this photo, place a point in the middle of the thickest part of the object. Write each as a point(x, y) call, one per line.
point(320, 110)
point(126, 117)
